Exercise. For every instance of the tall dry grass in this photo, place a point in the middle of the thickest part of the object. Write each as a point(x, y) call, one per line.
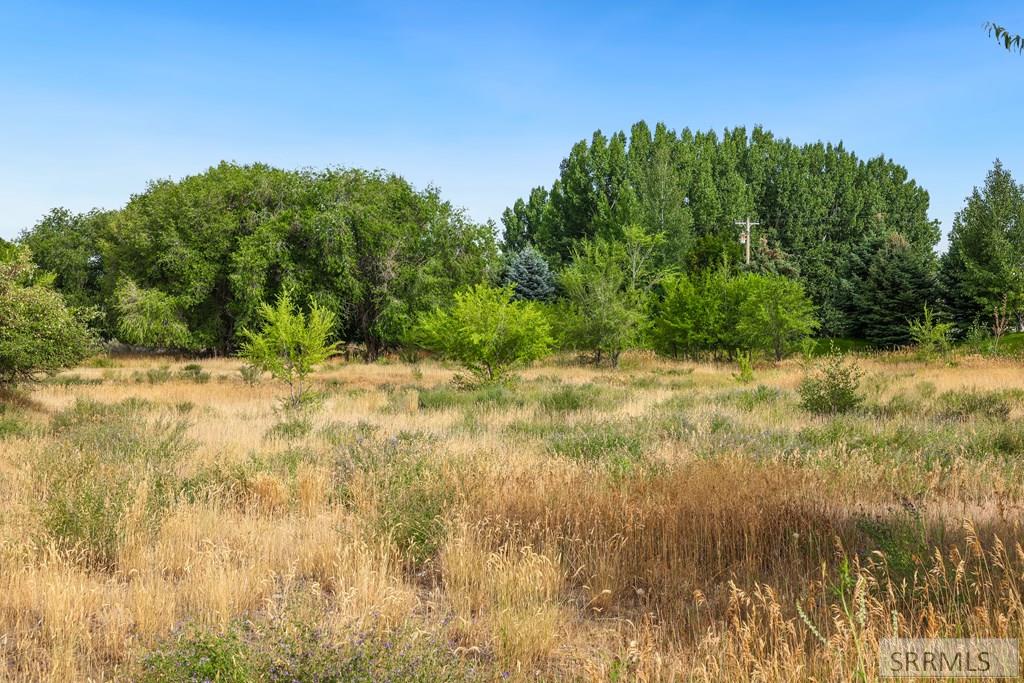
point(655, 523)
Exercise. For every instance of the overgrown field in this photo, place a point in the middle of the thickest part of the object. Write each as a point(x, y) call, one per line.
point(165, 521)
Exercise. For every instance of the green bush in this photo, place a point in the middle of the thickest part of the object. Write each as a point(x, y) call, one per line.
point(718, 312)
point(157, 375)
point(833, 388)
point(39, 334)
point(194, 372)
point(250, 374)
point(746, 367)
point(761, 395)
point(931, 336)
point(292, 650)
point(571, 398)
point(201, 656)
point(486, 331)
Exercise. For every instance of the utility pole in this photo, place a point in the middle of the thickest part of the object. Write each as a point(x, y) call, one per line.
point(745, 237)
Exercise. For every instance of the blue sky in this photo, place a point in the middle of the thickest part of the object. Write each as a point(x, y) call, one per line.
point(483, 100)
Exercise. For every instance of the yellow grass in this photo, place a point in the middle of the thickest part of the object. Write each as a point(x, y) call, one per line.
point(703, 539)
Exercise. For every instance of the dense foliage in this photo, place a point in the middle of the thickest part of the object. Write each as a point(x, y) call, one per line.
point(716, 314)
point(636, 244)
point(530, 275)
point(39, 334)
point(817, 204)
point(984, 265)
point(214, 246)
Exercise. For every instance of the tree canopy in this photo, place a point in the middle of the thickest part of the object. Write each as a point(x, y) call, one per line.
point(212, 247)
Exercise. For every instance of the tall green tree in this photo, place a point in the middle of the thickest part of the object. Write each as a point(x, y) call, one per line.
point(818, 204)
point(68, 245)
point(894, 283)
point(985, 260)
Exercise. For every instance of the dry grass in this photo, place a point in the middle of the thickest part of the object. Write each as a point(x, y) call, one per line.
point(658, 522)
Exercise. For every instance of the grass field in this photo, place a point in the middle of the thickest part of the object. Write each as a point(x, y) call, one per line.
point(165, 521)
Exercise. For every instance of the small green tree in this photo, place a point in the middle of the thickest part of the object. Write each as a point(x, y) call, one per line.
point(676, 328)
point(774, 314)
point(39, 334)
point(600, 314)
point(486, 331)
point(290, 344)
point(148, 317)
point(930, 335)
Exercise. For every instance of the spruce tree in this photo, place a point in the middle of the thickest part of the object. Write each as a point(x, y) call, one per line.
point(896, 282)
point(985, 260)
point(530, 276)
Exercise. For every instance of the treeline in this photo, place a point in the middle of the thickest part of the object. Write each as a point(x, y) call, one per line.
point(187, 264)
point(634, 244)
point(825, 217)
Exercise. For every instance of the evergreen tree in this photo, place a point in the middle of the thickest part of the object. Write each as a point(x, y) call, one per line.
point(985, 260)
point(897, 281)
point(530, 276)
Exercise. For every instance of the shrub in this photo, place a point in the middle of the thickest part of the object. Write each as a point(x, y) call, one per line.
point(39, 334)
point(290, 344)
point(250, 374)
point(571, 398)
point(290, 650)
point(961, 405)
point(157, 375)
point(486, 331)
point(761, 395)
point(775, 314)
point(411, 492)
point(833, 388)
point(718, 312)
point(194, 373)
